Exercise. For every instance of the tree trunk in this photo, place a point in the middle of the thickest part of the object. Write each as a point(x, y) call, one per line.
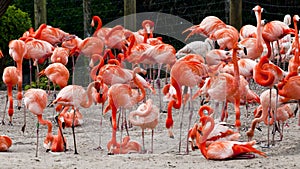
point(130, 14)
point(86, 18)
point(40, 13)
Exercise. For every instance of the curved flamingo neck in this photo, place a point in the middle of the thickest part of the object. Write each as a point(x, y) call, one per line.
point(132, 42)
point(204, 120)
point(99, 21)
point(95, 70)
point(89, 102)
point(140, 86)
point(263, 77)
point(236, 67)
point(203, 108)
point(48, 123)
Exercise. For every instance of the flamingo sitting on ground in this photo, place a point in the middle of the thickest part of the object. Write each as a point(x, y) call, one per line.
point(220, 131)
point(146, 116)
point(35, 101)
point(221, 150)
point(125, 147)
point(5, 143)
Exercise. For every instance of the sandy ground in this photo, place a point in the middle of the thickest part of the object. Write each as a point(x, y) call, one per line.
point(285, 153)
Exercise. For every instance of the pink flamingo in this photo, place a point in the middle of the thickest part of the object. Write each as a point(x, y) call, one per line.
point(125, 147)
point(220, 131)
point(35, 101)
point(254, 45)
point(75, 96)
point(100, 31)
point(146, 116)
point(5, 143)
point(18, 50)
point(58, 74)
point(60, 55)
point(208, 25)
point(230, 149)
point(122, 96)
point(10, 78)
point(225, 37)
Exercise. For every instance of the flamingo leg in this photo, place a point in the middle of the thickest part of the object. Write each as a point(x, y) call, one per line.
point(73, 130)
point(100, 133)
point(143, 140)
point(60, 130)
point(3, 123)
point(152, 134)
point(275, 112)
point(23, 127)
point(191, 108)
point(37, 139)
point(181, 120)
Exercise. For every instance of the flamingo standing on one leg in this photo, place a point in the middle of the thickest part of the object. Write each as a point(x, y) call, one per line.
point(75, 96)
point(10, 78)
point(146, 116)
point(35, 101)
point(17, 50)
point(221, 150)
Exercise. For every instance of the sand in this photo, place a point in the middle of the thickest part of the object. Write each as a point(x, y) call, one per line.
point(285, 153)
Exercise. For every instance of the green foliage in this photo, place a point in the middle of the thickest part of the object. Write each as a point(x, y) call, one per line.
point(42, 84)
point(12, 25)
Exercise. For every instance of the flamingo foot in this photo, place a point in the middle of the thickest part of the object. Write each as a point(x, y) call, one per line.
point(23, 128)
point(98, 148)
point(3, 123)
point(10, 123)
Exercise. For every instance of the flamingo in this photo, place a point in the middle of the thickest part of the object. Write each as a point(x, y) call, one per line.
point(125, 147)
point(284, 112)
point(208, 25)
point(248, 31)
point(50, 34)
point(254, 45)
point(185, 72)
point(58, 74)
point(68, 118)
point(221, 150)
point(122, 96)
point(115, 38)
point(60, 55)
point(267, 105)
point(38, 50)
point(17, 51)
point(100, 31)
point(35, 101)
point(58, 142)
point(101, 97)
point(91, 47)
point(146, 116)
point(225, 37)
point(5, 143)
point(75, 96)
point(231, 83)
point(220, 131)
point(10, 78)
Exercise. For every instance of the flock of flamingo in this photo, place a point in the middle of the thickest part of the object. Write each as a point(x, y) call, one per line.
point(219, 68)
